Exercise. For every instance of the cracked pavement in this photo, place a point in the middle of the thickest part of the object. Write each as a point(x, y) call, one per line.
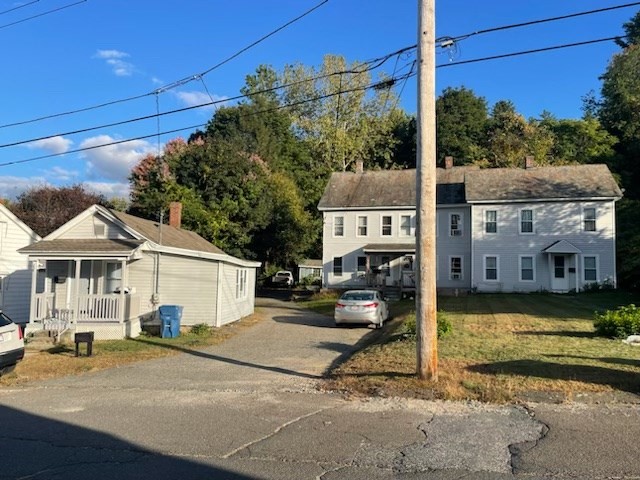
point(249, 409)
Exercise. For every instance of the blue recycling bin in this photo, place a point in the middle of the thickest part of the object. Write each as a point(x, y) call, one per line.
point(170, 317)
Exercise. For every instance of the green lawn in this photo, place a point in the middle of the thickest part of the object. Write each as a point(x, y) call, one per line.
point(504, 348)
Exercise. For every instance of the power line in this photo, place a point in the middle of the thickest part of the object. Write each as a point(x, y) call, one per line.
point(534, 22)
point(368, 66)
point(527, 52)
point(156, 134)
point(42, 14)
point(167, 87)
point(19, 7)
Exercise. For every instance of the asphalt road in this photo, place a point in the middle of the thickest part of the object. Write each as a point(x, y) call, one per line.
point(250, 409)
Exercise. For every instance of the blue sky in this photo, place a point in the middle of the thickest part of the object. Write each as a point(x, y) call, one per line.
point(103, 50)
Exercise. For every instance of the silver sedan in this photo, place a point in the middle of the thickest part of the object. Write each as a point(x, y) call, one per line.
point(361, 306)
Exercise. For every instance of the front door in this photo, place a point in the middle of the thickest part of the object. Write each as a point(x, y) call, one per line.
point(559, 274)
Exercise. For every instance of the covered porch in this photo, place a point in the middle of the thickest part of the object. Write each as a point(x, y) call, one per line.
point(390, 266)
point(563, 262)
point(81, 291)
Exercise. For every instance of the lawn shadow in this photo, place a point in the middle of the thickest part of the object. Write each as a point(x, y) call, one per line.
point(557, 333)
point(619, 379)
point(616, 361)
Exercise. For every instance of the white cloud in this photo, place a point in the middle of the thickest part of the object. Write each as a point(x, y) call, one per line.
point(114, 58)
point(109, 190)
point(61, 174)
point(55, 145)
point(113, 162)
point(194, 97)
point(11, 187)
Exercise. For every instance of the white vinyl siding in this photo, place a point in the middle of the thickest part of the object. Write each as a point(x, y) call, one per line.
point(527, 268)
point(95, 226)
point(232, 308)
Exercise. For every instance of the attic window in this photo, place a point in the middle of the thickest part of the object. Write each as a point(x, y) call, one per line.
point(99, 229)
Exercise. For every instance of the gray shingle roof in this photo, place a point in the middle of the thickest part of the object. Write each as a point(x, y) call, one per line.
point(171, 236)
point(83, 246)
point(390, 188)
point(572, 181)
point(458, 185)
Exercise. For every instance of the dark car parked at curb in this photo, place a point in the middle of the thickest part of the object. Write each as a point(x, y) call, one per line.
point(11, 344)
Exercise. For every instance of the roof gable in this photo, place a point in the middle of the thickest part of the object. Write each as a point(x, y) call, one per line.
point(9, 215)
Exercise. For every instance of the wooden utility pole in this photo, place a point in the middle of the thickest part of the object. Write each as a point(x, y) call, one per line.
point(426, 311)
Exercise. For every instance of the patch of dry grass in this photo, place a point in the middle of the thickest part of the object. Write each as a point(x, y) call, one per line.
point(503, 348)
point(59, 361)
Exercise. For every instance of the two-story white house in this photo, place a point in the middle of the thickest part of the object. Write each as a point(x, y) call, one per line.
point(502, 230)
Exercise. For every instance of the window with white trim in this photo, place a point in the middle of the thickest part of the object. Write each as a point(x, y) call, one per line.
point(337, 266)
point(527, 268)
point(491, 221)
point(526, 221)
point(455, 268)
point(386, 225)
point(590, 267)
point(455, 225)
point(113, 277)
point(338, 226)
point(589, 219)
point(241, 283)
point(405, 225)
point(362, 227)
point(491, 268)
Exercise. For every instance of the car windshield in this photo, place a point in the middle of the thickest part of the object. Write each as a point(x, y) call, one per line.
point(4, 320)
point(358, 296)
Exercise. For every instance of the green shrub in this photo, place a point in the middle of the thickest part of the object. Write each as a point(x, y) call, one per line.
point(619, 323)
point(444, 325)
point(201, 330)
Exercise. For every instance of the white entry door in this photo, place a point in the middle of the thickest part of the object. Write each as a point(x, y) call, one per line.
point(559, 273)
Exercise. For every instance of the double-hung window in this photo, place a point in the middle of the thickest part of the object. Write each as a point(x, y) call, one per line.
point(362, 265)
point(337, 266)
point(455, 268)
point(362, 227)
point(455, 225)
point(386, 225)
point(527, 265)
point(590, 268)
point(338, 226)
point(526, 221)
point(589, 219)
point(491, 221)
point(491, 268)
point(405, 225)
point(241, 283)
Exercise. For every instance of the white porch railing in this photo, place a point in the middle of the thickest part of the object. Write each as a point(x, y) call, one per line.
point(88, 308)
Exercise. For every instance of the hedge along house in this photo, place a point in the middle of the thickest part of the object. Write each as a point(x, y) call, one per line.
point(108, 272)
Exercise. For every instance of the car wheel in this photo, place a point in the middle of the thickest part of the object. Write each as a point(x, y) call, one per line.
point(8, 369)
point(380, 321)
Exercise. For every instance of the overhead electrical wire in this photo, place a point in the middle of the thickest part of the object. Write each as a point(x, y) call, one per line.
point(144, 137)
point(19, 7)
point(42, 14)
point(169, 86)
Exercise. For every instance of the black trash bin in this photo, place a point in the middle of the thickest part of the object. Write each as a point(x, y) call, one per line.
point(170, 317)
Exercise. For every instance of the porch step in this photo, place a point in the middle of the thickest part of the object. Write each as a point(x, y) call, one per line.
point(393, 294)
point(39, 340)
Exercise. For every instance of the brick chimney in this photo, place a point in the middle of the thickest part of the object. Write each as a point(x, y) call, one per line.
point(529, 162)
point(359, 166)
point(175, 214)
point(448, 162)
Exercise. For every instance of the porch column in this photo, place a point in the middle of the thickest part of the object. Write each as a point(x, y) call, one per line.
point(575, 263)
point(124, 280)
point(76, 303)
point(34, 279)
point(551, 272)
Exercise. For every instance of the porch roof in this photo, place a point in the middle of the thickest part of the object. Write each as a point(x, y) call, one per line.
point(80, 247)
point(390, 248)
point(562, 246)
